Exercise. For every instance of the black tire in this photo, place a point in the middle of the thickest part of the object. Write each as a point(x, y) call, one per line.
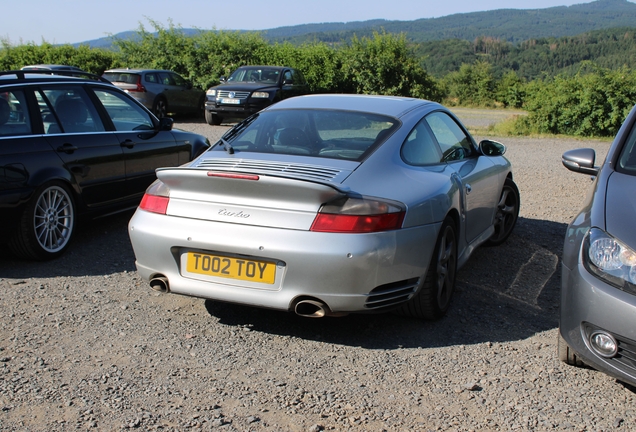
point(507, 213)
point(213, 119)
point(200, 112)
point(160, 107)
point(436, 289)
point(566, 354)
point(47, 224)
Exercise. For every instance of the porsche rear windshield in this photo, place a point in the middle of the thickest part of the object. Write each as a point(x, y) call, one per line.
point(320, 133)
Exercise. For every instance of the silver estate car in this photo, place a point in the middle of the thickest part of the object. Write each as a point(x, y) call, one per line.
point(323, 205)
point(161, 91)
point(598, 295)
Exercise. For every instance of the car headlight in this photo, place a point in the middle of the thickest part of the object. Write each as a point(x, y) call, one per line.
point(610, 260)
point(211, 92)
point(260, 95)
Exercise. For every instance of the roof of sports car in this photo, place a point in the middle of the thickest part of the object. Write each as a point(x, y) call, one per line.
point(394, 106)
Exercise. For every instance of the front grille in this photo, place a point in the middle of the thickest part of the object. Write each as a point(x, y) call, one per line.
point(625, 359)
point(391, 294)
point(314, 172)
point(236, 94)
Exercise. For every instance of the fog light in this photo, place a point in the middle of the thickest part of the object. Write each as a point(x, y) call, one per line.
point(604, 344)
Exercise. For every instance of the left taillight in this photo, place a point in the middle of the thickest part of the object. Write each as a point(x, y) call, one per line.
point(358, 215)
point(156, 198)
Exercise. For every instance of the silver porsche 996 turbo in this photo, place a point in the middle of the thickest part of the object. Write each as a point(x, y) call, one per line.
point(324, 205)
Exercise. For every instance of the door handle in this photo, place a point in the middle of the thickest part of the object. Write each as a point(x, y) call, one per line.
point(128, 144)
point(67, 148)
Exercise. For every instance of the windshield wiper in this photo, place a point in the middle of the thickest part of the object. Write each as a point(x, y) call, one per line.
point(228, 146)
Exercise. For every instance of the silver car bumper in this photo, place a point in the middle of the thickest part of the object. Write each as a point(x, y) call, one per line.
point(589, 304)
point(341, 270)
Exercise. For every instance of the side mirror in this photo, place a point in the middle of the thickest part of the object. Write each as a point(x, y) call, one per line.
point(166, 123)
point(580, 161)
point(188, 85)
point(492, 148)
point(222, 79)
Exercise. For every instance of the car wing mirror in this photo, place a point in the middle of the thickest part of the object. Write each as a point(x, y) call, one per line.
point(491, 148)
point(222, 79)
point(580, 161)
point(165, 123)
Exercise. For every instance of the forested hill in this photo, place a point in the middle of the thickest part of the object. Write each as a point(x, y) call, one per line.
point(512, 25)
point(533, 58)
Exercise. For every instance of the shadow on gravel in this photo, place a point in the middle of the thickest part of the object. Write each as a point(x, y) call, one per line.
point(503, 293)
point(100, 247)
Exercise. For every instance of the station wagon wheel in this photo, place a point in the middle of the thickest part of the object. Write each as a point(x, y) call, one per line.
point(160, 107)
point(434, 296)
point(47, 224)
point(507, 213)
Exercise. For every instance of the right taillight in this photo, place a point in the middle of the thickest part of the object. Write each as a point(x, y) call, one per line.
point(358, 215)
point(156, 198)
point(140, 87)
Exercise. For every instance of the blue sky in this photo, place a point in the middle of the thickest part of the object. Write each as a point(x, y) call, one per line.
point(72, 21)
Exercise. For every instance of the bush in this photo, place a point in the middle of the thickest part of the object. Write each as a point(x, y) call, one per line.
point(592, 103)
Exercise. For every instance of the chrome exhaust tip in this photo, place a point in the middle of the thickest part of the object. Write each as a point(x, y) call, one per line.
point(160, 284)
point(311, 309)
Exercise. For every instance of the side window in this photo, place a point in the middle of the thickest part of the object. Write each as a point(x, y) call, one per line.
point(454, 143)
point(288, 75)
point(420, 147)
point(125, 113)
point(178, 80)
point(165, 78)
point(151, 78)
point(67, 110)
point(14, 115)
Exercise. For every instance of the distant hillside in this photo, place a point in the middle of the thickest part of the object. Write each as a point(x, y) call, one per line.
point(608, 48)
point(511, 25)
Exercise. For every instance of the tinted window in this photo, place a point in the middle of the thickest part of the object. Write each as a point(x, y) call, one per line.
point(627, 159)
point(14, 115)
point(320, 133)
point(165, 78)
point(178, 80)
point(125, 113)
point(67, 110)
point(420, 148)
point(454, 143)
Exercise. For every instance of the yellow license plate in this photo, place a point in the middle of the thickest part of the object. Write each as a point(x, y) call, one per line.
point(231, 268)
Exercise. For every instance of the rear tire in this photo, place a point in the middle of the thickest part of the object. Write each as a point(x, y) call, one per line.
point(47, 224)
point(160, 107)
point(507, 213)
point(213, 119)
point(434, 296)
point(566, 354)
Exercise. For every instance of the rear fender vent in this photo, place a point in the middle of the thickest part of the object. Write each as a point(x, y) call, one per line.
point(391, 294)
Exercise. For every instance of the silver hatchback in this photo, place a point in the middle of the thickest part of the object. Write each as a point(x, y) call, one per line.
point(161, 91)
point(598, 298)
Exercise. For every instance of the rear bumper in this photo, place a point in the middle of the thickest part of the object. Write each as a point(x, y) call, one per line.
point(340, 270)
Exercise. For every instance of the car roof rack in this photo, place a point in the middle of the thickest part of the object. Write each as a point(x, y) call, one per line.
point(20, 74)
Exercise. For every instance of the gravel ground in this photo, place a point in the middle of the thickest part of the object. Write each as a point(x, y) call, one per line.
point(86, 345)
